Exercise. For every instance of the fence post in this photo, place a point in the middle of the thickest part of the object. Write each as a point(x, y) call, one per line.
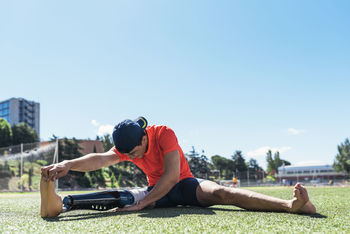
point(21, 167)
point(248, 176)
point(56, 161)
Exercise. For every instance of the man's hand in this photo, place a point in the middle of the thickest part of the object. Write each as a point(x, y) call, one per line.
point(138, 206)
point(54, 171)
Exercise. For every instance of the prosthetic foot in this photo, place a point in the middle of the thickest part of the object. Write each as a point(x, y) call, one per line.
point(104, 200)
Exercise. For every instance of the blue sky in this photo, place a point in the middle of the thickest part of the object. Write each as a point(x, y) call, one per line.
point(225, 75)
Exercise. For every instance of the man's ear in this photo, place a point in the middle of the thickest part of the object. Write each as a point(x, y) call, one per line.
point(144, 139)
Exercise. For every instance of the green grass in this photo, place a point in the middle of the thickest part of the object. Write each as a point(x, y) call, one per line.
point(19, 213)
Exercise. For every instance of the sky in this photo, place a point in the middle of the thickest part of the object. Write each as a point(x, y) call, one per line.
point(224, 75)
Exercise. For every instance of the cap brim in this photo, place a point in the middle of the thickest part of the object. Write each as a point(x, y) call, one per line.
point(142, 121)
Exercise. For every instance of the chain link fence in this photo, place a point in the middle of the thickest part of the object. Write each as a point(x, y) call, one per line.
point(20, 165)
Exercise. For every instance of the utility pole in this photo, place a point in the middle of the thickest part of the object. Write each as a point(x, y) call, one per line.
point(22, 167)
point(248, 176)
point(56, 151)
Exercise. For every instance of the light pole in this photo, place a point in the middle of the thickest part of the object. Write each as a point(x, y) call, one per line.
point(248, 176)
point(22, 188)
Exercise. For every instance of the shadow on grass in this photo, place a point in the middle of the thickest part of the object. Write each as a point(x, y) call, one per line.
point(177, 211)
point(317, 216)
point(147, 213)
point(156, 213)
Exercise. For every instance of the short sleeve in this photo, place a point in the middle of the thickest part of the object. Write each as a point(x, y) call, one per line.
point(122, 157)
point(168, 140)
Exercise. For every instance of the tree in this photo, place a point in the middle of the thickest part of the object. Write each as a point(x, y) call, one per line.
point(119, 180)
point(253, 164)
point(277, 161)
point(342, 159)
point(113, 181)
point(273, 163)
point(30, 176)
point(5, 175)
point(255, 171)
point(5, 133)
point(5, 170)
point(224, 165)
point(53, 137)
point(239, 164)
point(280, 162)
point(23, 133)
point(270, 162)
point(220, 163)
point(285, 162)
point(107, 142)
point(199, 164)
point(97, 177)
point(19, 165)
point(70, 149)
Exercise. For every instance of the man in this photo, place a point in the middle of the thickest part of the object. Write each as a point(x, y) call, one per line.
point(235, 181)
point(155, 150)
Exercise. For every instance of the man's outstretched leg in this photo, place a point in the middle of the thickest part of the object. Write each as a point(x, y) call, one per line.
point(210, 193)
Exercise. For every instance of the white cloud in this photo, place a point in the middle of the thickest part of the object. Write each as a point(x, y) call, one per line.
point(95, 123)
point(294, 131)
point(102, 129)
point(105, 129)
point(261, 152)
point(184, 141)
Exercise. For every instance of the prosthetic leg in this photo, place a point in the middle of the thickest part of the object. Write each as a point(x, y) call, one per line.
point(104, 200)
point(52, 204)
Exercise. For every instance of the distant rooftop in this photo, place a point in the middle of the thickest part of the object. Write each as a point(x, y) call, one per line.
point(306, 166)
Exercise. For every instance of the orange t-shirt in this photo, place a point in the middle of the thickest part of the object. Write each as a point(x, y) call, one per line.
point(161, 140)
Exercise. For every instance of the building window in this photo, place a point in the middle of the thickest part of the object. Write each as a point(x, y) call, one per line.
point(6, 117)
point(4, 105)
point(4, 113)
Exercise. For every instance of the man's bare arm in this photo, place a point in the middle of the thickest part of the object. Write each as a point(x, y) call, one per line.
point(94, 161)
point(89, 162)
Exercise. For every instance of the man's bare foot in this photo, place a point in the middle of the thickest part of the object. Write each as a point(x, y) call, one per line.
point(301, 202)
point(51, 203)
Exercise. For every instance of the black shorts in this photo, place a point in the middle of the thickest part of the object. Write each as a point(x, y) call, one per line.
point(183, 193)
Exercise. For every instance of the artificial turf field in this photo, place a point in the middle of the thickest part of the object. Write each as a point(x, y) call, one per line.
point(19, 213)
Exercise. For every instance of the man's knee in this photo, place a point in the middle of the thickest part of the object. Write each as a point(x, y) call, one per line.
point(220, 193)
point(210, 193)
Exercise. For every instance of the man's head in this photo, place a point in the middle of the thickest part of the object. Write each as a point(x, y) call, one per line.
point(130, 138)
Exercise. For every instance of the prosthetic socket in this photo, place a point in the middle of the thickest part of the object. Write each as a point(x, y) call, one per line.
point(104, 200)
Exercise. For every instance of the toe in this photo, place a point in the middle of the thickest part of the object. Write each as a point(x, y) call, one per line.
point(296, 193)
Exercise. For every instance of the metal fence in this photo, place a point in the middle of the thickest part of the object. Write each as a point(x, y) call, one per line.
point(20, 165)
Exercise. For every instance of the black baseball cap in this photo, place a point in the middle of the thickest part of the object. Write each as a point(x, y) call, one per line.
point(128, 133)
